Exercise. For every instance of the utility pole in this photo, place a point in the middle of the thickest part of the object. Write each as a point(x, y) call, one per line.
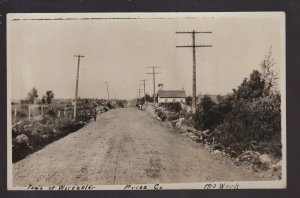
point(107, 90)
point(139, 93)
point(77, 80)
point(144, 84)
point(153, 73)
point(194, 46)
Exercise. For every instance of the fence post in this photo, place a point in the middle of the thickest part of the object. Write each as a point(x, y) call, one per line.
point(58, 114)
point(15, 115)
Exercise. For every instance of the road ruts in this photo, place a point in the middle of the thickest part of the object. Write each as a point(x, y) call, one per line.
point(124, 146)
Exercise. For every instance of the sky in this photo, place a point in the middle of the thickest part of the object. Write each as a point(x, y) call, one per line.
point(118, 48)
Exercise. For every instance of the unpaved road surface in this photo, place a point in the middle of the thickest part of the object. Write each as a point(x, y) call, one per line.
point(124, 146)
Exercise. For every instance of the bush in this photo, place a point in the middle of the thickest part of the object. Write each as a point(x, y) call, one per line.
point(259, 120)
point(41, 133)
point(173, 107)
point(67, 125)
point(51, 113)
point(188, 100)
point(247, 119)
point(21, 114)
point(207, 115)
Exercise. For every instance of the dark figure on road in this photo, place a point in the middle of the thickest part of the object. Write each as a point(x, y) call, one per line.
point(95, 114)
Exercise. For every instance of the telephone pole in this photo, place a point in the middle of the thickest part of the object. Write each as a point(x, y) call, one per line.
point(153, 73)
point(139, 93)
point(194, 46)
point(107, 90)
point(77, 80)
point(144, 84)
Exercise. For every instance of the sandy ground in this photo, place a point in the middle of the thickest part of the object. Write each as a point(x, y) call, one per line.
point(125, 146)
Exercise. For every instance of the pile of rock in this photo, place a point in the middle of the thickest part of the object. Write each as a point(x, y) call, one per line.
point(247, 156)
point(165, 115)
point(22, 140)
point(102, 109)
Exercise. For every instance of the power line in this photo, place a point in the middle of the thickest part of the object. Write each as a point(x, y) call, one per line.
point(153, 73)
point(77, 81)
point(194, 46)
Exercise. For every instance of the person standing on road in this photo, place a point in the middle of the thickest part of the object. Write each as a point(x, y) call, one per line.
point(95, 114)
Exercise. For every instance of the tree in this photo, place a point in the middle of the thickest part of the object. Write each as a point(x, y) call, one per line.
point(206, 116)
point(148, 98)
point(251, 88)
point(49, 96)
point(268, 74)
point(44, 99)
point(32, 95)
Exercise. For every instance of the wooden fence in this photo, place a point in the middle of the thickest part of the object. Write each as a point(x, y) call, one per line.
point(21, 112)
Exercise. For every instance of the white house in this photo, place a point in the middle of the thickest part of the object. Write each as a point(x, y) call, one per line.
point(169, 96)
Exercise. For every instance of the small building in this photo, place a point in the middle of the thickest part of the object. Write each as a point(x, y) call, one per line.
point(169, 96)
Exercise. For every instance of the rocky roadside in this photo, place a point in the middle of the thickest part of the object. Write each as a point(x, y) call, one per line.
point(263, 164)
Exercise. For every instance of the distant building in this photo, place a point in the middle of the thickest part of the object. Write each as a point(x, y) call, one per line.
point(169, 96)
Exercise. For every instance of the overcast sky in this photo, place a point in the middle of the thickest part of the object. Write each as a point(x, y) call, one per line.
point(40, 52)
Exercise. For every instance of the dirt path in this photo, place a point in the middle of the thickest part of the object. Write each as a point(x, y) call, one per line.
point(124, 146)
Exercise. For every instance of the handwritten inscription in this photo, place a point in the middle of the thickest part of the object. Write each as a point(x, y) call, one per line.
point(62, 187)
point(30, 187)
point(222, 186)
point(208, 186)
point(143, 187)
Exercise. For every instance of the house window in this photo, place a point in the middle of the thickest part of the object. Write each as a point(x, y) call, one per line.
point(166, 100)
point(181, 100)
point(174, 100)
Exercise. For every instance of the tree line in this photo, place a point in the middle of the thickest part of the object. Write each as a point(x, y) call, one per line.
point(32, 95)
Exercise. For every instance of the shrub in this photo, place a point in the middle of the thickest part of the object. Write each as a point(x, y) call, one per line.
point(260, 118)
point(249, 118)
point(253, 121)
point(21, 114)
point(41, 133)
point(51, 113)
point(173, 107)
point(207, 115)
point(67, 125)
point(188, 100)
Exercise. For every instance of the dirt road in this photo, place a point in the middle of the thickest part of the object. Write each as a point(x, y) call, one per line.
point(124, 146)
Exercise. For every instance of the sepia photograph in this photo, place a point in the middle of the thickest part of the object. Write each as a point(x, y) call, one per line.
point(146, 101)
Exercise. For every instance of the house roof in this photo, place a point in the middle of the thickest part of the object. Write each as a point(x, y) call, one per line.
point(171, 94)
